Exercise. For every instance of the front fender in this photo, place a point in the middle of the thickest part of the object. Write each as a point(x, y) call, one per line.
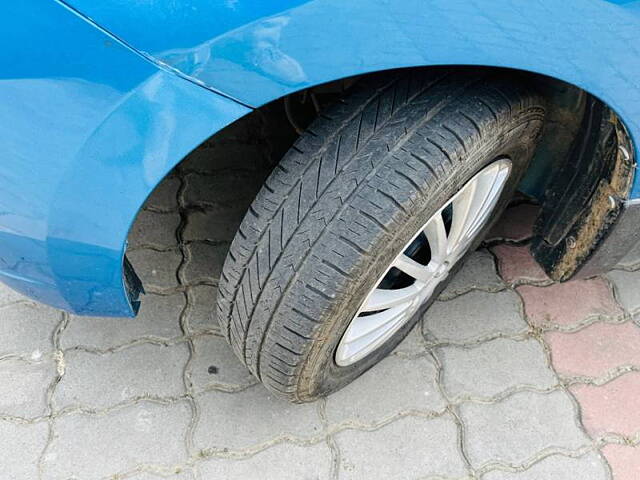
point(88, 127)
point(257, 50)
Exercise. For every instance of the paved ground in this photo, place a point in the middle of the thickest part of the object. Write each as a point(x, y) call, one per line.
point(507, 377)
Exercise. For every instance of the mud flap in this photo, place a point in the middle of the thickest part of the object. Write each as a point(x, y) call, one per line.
point(587, 197)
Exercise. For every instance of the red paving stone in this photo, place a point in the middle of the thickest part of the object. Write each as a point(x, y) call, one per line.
point(592, 351)
point(516, 264)
point(595, 349)
point(610, 407)
point(516, 223)
point(568, 303)
point(624, 461)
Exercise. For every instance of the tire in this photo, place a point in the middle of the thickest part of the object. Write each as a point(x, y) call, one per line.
point(344, 202)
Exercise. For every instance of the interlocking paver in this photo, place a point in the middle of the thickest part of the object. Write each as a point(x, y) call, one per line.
point(214, 225)
point(627, 286)
point(154, 229)
point(609, 408)
point(391, 423)
point(158, 319)
point(632, 259)
point(478, 272)
point(413, 344)
point(409, 448)
point(409, 384)
point(157, 270)
point(201, 312)
point(91, 447)
point(251, 417)
point(516, 223)
point(282, 462)
point(8, 297)
point(624, 461)
point(204, 263)
point(23, 387)
point(224, 154)
point(101, 381)
point(474, 315)
point(214, 366)
point(182, 475)
point(163, 198)
point(20, 447)
point(569, 303)
point(238, 188)
point(514, 430)
point(596, 349)
point(558, 467)
point(494, 367)
point(27, 329)
point(516, 265)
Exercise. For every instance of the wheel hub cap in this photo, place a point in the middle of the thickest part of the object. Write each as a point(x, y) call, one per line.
point(446, 237)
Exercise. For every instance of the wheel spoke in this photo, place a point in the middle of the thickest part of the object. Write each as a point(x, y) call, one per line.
point(462, 208)
point(412, 268)
point(437, 237)
point(371, 332)
point(385, 310)
point(381, 299)
point(374, 323)
point(491, 187)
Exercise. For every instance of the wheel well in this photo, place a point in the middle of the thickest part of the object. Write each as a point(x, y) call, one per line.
point(572, 154)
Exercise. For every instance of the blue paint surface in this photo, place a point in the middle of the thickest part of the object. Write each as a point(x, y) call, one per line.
point(256, 50)
point(87, 129)
point(90, 122)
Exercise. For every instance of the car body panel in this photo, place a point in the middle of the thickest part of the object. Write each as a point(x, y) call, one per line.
point(256, 51)
point(99, 100)
point(86, 133)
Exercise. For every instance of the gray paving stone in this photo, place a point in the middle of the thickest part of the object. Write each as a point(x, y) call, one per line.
point(474, 315)
point(9, 296)
point(558, 467)
point(627, 286)
point(205, 262)
point(27, 329)
point(214, 225)
point(493, 367)
point(91, 447)
point(201, 312)
point(214, 366)
point(158, 318)
point(517, 428)
point(395, 385)
point(157, 270)
point(251, 417)
point(282, 462)
point(165, 195)
point(631, 259)
point(182, 475)
point(23, 387)
point(516, 223)
point(218, 157)
point(155, 229)
point(20, 447)
point(238, 187)
point(414, 344)
point(104, 380)
point(409, 448)
point(478, 272)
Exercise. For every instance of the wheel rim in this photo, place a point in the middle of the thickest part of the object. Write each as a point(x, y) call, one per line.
point(423, 264)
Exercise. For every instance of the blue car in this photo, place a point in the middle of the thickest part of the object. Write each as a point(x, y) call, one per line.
point(415, 122)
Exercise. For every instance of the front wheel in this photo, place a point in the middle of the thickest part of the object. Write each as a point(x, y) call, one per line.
point(365, 219)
